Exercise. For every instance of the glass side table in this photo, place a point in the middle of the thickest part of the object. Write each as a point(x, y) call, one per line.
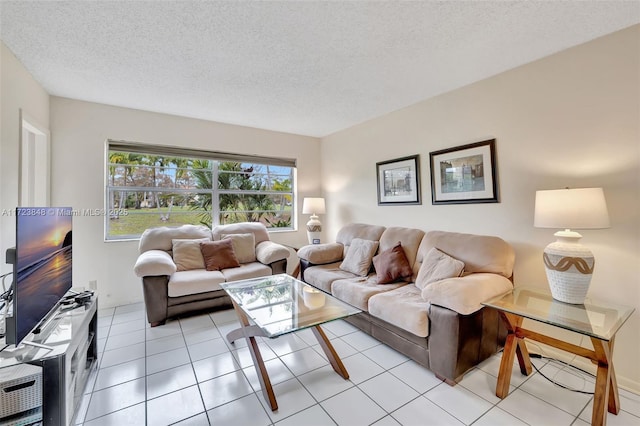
point(600, 321)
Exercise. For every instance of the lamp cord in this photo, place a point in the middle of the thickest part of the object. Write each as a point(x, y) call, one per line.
point(563, 386)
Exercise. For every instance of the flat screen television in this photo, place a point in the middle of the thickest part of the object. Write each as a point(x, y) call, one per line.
point(42, 267)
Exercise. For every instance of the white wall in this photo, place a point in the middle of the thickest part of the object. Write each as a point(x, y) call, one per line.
point(571, 119)
point(18, 90)
point(79, 132)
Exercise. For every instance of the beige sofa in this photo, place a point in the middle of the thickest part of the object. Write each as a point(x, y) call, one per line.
point(434, 314)
point(174, 278)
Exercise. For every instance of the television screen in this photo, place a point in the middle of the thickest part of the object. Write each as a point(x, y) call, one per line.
point(42, 268)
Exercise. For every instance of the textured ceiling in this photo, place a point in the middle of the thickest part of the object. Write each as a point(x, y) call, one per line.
point(310, 68)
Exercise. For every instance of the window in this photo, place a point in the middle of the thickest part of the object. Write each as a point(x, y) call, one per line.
point(150, 186)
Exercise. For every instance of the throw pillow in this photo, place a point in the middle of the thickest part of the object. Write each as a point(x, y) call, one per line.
point(244, 246)
point(438, 266)
point(358, 258)
point(219, 255)
point(392, 265)
point(187, 254)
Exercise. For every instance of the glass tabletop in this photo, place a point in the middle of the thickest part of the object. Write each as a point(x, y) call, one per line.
point(594, 318)
point(281, 304)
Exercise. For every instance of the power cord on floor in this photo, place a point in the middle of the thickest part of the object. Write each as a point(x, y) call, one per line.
point(566, 364)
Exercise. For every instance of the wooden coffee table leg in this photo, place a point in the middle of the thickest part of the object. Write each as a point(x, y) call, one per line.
point(330, 352)
point(252, 345)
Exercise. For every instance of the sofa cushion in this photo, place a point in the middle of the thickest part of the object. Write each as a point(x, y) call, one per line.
point(359, 256)
point(438, 266)
point(480, 253)
point(320, 254)
point(153, 263)
point(244, 246)
point(392, 265)
point(268, 252)
point(358, 230)
point(466, 294)
point(195, 281)
point(322, 276)
point(219, 255)
point(246, 271)
point(403, 307)
point(187, 254)
point(160, 238)
point(258, 230)
point(357, 291)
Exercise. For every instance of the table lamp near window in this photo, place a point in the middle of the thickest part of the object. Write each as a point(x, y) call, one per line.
point(314, 207)
point(569, 264)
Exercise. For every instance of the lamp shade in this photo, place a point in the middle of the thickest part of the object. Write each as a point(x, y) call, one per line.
point(580, 208)
point(313, 206)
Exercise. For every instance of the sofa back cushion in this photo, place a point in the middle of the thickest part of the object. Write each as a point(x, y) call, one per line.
point(258, 230)
point(358, 230)
point(161, 238)
point(479, 253)
point(410, 239)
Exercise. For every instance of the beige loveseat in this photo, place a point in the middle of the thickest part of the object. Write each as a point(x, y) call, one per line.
point(434, 313)
point(175, 275)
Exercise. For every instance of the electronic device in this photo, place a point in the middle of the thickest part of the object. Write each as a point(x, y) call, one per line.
point(20, 390)
point(42, 267)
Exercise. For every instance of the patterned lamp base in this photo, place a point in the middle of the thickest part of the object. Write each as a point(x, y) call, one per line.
point(569, 266)
point(314, 229)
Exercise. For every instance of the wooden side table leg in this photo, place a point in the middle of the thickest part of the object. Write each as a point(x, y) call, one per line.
point(523, 356)
point(603, 383)
point(256, 356)
point(614, 397)
point(508, 354)
point(330, 352)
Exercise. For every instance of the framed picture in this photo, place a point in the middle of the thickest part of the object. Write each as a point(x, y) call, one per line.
point(464, 174)
point(398, 181)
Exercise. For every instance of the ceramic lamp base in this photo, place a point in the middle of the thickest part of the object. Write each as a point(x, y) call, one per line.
point(314, 229)
point(569, 266)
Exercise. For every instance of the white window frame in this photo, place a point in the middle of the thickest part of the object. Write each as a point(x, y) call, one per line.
point(216, 158)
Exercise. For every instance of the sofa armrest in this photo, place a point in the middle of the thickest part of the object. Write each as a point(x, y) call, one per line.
point(268, 252)
point(154, 263)
point(320, 254)
point(465, 295)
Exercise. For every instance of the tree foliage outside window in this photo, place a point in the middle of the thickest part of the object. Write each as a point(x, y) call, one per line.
point(145, 191)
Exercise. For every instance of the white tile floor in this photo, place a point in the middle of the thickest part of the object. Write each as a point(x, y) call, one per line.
point(186, 373)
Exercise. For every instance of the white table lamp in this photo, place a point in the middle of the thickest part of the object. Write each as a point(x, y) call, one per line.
point(569, 264)
point(314, 207)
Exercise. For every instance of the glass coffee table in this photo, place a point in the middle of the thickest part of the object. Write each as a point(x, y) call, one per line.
point(279, 304)
point(597, 320)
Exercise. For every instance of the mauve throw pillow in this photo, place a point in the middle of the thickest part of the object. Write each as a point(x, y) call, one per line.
point(392, 265)
point(219, 255)
point(438, 266)
point(358, 258)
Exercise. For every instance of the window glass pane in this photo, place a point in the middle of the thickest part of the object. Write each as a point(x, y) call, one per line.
point(150, 209)
point(145, 190)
